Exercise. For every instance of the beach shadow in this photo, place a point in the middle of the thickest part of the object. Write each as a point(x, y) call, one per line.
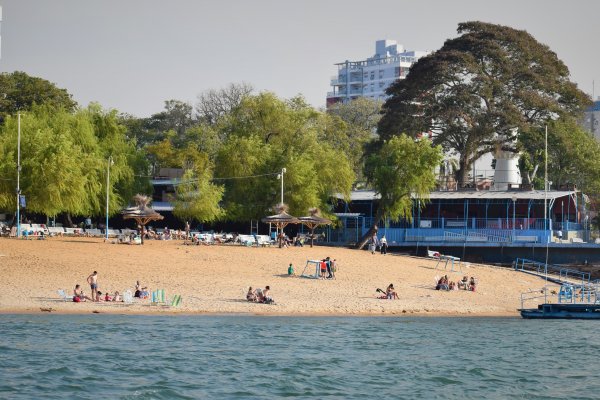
point(429, 287)
point(77, 241)
point(285, 276)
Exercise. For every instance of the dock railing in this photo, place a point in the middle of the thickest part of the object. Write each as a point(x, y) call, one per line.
point(559, 274)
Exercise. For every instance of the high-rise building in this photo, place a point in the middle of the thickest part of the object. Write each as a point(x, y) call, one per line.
point(591, 119)
point(371, 77)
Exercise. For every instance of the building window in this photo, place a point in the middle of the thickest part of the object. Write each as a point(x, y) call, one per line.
point(372, 75)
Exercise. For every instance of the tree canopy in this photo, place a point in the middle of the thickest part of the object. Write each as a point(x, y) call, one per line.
point(19, 92)
point(403, 167)
point(64, 159)
point(479, 90)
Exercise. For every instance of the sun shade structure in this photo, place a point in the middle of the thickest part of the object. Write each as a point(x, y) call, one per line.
point(312, 221)
point(281, 220)
point(141, 213)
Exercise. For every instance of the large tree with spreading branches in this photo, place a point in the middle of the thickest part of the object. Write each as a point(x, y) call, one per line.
point(479, 90)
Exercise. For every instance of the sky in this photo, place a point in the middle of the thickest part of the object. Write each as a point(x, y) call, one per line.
point(133, 55)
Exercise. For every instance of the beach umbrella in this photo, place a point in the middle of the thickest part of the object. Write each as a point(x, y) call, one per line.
point(141, 212)
point(312, 221)
point(281, 220)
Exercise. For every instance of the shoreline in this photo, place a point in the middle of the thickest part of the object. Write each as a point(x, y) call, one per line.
point(213, 280)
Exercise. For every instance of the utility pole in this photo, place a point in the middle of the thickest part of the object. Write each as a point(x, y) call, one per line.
point(18, 174)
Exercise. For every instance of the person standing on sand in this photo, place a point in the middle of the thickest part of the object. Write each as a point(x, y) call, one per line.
point(383, 245)
point(93, 281)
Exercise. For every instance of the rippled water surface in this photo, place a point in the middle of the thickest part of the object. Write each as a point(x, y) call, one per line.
point(129, 357)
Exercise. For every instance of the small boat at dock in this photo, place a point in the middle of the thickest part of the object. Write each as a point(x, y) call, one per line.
point(573, 302)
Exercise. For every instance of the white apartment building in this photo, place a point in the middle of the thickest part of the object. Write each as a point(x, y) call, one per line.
point(371, 77)
point(591, 119)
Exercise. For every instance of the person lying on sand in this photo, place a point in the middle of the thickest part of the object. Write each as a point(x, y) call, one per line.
point(267, 299)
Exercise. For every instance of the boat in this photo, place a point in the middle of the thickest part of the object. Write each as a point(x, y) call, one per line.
point(562, 311)
point(573, 302)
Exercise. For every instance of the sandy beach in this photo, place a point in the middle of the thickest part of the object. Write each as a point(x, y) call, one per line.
point(214, 279)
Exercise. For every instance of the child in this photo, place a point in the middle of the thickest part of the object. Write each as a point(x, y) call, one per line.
point(108, 297)
point(291, 270)
point(250, 296)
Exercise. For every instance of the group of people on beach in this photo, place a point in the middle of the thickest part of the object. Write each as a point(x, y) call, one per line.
point(260, 295)
point(376, 243)
point(96, 295)
point(465, 284)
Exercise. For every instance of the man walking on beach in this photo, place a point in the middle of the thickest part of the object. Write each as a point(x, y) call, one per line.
point(93, 281)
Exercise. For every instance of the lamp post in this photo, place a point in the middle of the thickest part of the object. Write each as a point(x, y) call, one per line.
point(18, 174)
point(562, 215)
point(514, 200)
point(110, 162)
point(280, 176)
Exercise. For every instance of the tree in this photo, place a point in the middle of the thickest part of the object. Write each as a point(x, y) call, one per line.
point(19, 92)
point(215, 104)
point(265, 134)
point(479, 90)
point(358, 127)
point(64, 161)
point(573, 156)
point(197, 197)
point(401, 169)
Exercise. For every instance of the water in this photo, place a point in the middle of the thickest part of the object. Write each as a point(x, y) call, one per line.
point(230, 357)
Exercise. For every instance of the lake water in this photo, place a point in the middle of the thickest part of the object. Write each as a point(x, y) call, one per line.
point(230, 357)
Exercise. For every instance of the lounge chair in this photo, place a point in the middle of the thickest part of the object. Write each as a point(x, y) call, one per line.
point(436, 255)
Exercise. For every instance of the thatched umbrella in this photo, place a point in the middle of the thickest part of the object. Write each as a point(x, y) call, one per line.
point(141, 213)
point(281, 220)
point(312, 221)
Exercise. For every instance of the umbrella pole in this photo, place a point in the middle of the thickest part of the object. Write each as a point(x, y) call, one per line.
point(312, 236)
point(142, 234)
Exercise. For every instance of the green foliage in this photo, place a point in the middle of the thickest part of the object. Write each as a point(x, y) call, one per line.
point(64, 159)
point(21, 91)
point(479, 90)
point(351, 127)
point(265, 134)
point(197, 197)
point(573, 156)
point(402, 167)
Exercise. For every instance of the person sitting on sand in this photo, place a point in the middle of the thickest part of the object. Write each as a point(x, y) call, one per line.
point(267, 299)
point(452, 286)
point(464, 283)
point(391, 292)
point(250, 296)
point(472, 284)
point(144, 293)
point(78, 295)
point(291, 270)
point(107, 297)
point(260, 297)
point(117, 296)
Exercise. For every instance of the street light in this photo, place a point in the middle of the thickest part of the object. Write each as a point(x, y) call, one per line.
point(110, 162)
point(18, 175)
point(280, 176)
point(562, 214)
point(514, 200)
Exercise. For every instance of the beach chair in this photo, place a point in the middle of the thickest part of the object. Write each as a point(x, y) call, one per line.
point(158, 297)
point(446, 258)
point(64, 296)
point(175, 301)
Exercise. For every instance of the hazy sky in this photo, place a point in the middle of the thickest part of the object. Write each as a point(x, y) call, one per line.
point(133, 55)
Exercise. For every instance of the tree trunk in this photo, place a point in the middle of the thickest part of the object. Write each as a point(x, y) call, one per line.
point(462, 175)
point(372, 230)
point(68, 220)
